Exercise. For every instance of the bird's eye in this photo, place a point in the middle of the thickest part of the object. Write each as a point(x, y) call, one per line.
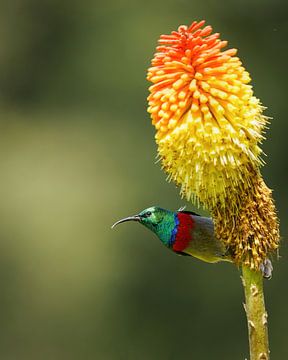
point(148, 213)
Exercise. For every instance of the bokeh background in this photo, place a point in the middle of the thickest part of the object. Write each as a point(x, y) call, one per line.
point(77, 153)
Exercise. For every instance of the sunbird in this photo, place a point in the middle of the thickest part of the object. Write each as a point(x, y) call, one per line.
point(187, 233)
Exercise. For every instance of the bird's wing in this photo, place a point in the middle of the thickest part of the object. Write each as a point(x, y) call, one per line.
point(188, 212)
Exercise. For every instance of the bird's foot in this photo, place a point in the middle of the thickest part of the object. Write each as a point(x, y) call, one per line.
point(266, 269)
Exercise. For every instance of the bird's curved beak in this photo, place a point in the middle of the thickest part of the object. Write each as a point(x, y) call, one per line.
point(129, 218)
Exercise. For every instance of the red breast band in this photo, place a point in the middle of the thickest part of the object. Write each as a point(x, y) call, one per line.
point(184, 233)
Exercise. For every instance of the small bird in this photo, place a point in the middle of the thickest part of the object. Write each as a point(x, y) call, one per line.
point(187, 233)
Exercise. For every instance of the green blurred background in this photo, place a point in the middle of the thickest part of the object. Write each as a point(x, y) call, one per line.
point(77, 153)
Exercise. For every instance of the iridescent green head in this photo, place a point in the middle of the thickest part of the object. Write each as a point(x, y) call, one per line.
point(156, 219)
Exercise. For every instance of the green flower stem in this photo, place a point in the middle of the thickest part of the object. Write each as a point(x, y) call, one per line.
point(256, 314)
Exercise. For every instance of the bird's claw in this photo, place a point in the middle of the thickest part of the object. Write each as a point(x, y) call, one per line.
point(182, 208)
point(266, 269)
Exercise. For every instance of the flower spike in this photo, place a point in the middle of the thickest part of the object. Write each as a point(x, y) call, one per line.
point(208, 129)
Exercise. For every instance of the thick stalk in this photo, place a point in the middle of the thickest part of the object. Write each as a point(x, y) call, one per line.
point(256, 314)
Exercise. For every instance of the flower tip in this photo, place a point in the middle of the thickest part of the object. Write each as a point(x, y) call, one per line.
point(196, 25)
